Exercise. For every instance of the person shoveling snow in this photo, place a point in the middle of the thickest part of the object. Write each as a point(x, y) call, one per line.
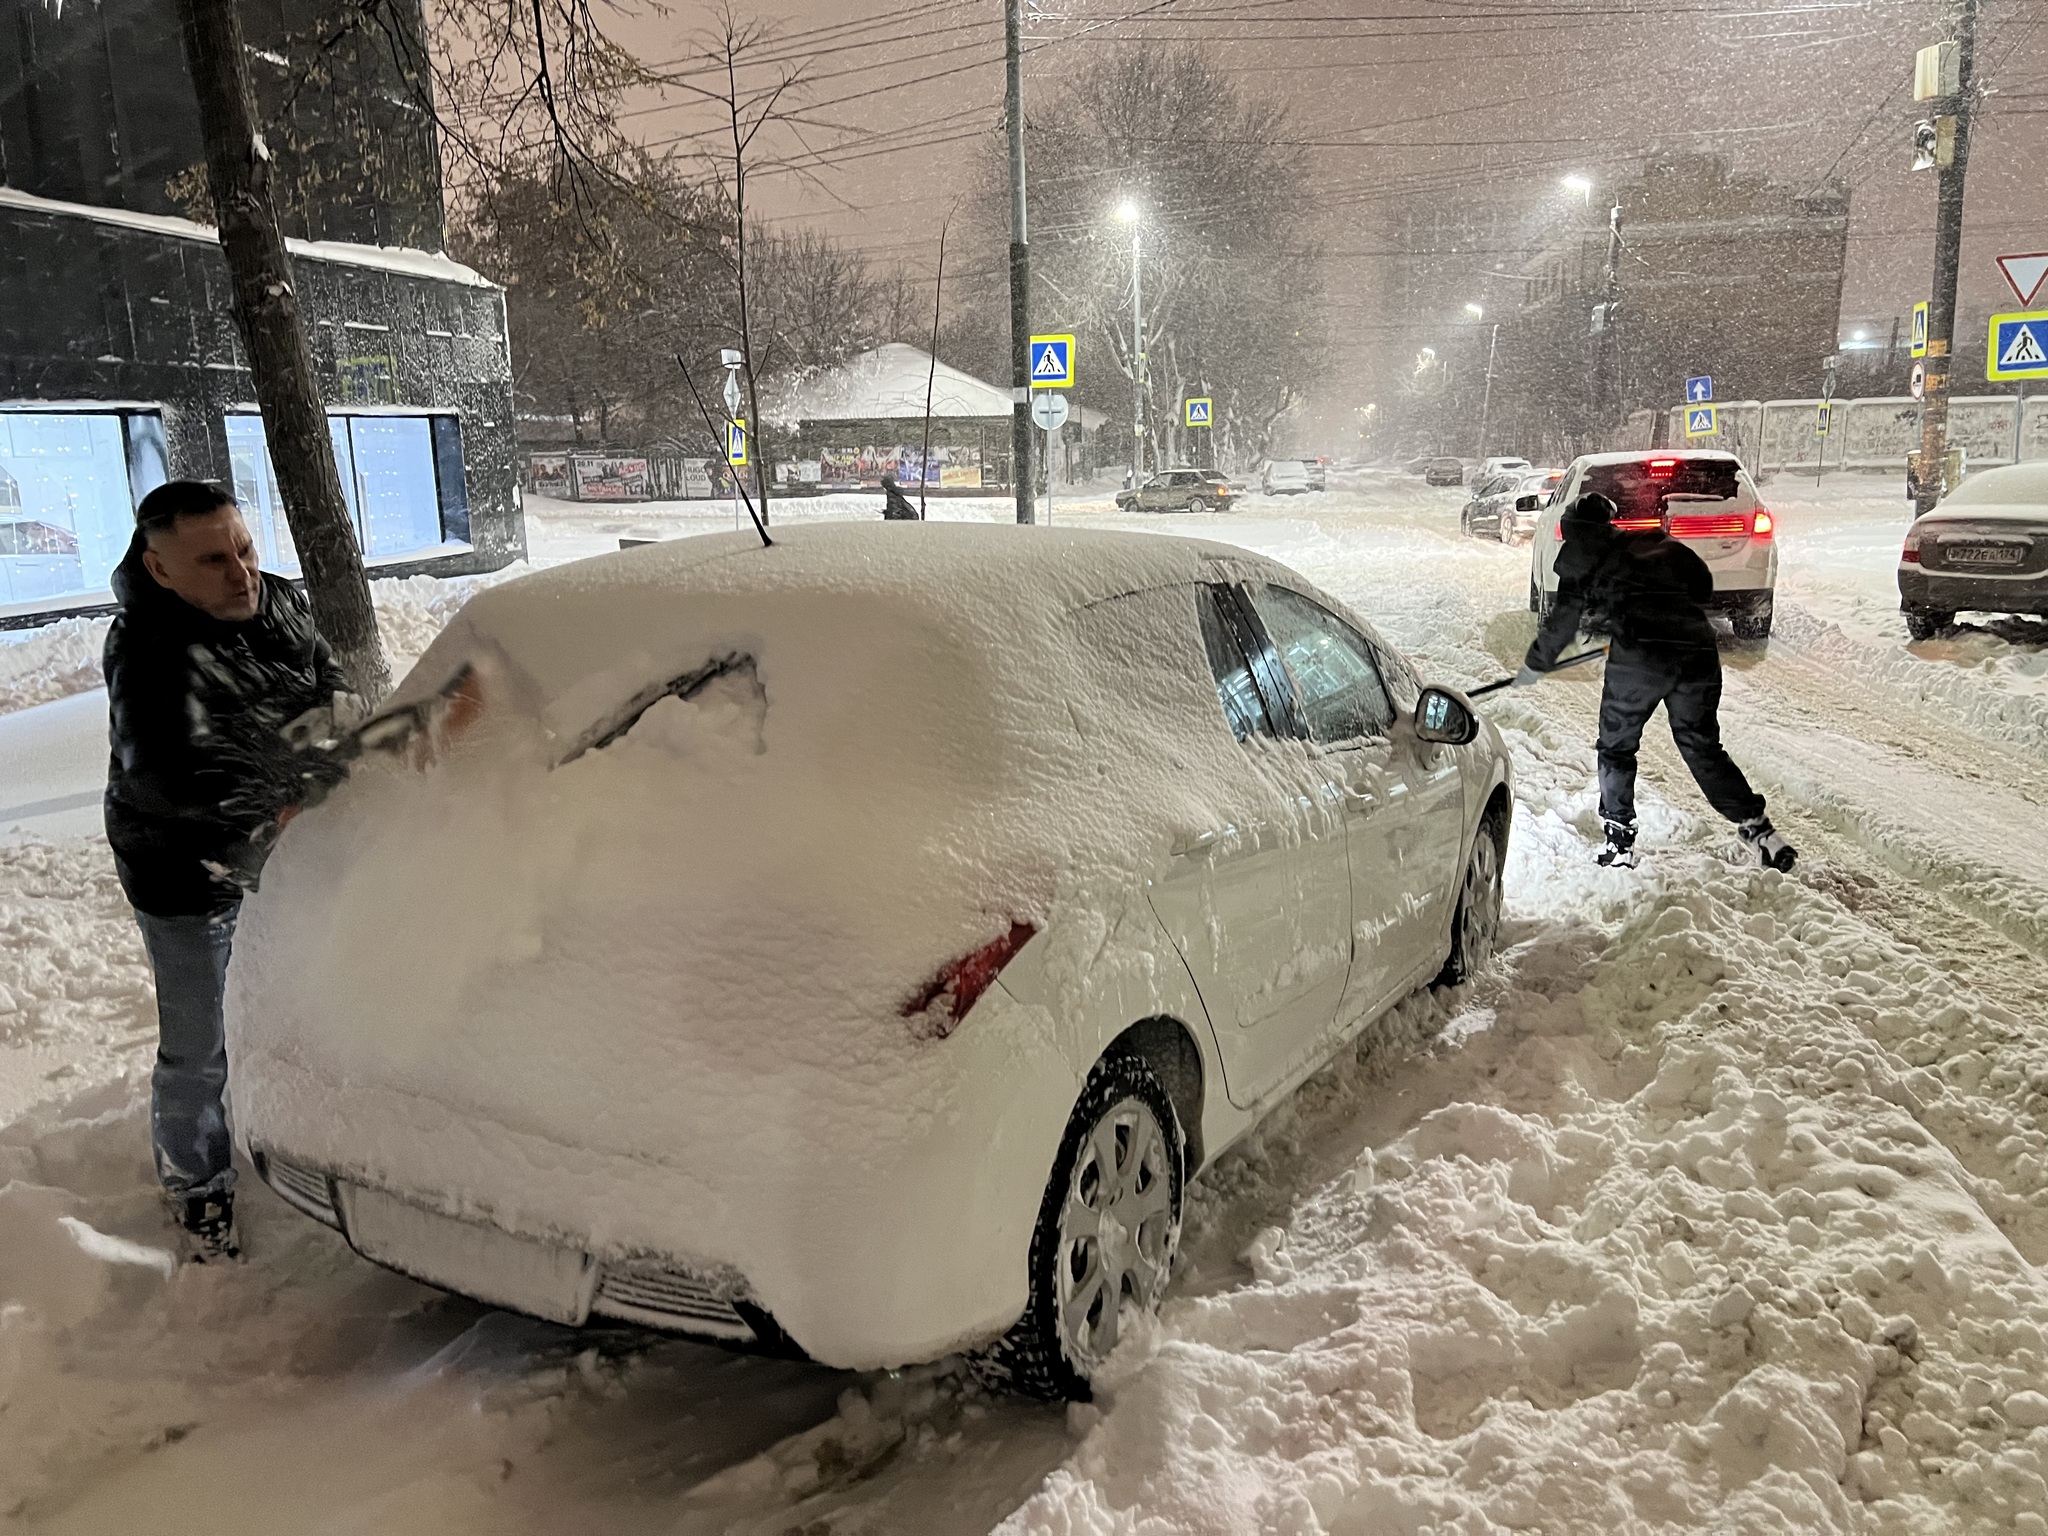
point(1645, 590)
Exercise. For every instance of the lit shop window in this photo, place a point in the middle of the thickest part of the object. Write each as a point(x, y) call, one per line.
point(68, 483)
point(400, 475)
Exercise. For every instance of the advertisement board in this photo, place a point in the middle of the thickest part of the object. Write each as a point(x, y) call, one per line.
point(954, 468)
point(547, 474)
point(603, 477)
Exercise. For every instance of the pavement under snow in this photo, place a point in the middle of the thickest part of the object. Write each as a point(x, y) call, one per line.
point(1716, 1206)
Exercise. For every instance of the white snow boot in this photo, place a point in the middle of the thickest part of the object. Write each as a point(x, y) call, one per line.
point(1620, 852)
point(1772, 851)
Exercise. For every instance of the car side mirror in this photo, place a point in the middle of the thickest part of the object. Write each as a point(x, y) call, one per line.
point(1528, 503)
point(1442, 717)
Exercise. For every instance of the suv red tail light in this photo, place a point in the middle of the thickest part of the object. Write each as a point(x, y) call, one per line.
point(1662, 469)
point(1710, 525)
point(1910, 555)
point(942, 1002)
point(1765, 524)
point(1637, 524)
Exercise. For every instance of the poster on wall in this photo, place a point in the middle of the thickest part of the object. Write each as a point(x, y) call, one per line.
point(548, 475)
point(697, 484)
point(851, 467)
point(601, 477)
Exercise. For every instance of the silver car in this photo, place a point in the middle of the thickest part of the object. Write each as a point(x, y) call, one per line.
point(1984, 548)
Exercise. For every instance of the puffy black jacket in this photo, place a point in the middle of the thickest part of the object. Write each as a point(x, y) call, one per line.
point(200, 768)
point(1640, 589)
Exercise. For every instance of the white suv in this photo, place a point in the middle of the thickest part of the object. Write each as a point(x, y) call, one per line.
point(1702, 498)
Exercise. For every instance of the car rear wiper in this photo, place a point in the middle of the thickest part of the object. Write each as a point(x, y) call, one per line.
point(686, 687)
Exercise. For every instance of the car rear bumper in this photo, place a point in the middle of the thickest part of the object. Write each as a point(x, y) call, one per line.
point(897, 1250)
point(1983, 593)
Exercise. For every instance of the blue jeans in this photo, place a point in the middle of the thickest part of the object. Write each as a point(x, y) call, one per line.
point(188, 1122)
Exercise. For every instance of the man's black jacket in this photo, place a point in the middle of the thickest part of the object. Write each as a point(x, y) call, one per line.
point(197, 706)
point(1640, 589)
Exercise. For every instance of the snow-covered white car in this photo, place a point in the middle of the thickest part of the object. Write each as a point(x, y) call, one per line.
point(1488, 468)
point(851, 945)
point(1284, 477)
point(1983, 548)
point(1702, 497)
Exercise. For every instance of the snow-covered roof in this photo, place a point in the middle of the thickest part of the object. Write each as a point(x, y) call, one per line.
point(888, 384)
point(387, 258)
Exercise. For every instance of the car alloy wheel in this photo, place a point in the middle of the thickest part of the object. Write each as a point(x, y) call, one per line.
point(1117, 1231)
point(1475, 927)
point(1196, 504)
point(1108, 1228)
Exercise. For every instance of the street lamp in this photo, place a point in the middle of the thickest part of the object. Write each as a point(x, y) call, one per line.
point(1475, 311)
point(1128, 212)
point(1583, 185)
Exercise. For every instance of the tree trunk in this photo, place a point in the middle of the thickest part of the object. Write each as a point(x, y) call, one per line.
point(238, 167)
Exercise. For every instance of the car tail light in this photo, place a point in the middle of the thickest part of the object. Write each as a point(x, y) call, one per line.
point(1910, 555)
point(1637, 524)
point(941, 1003)
point(1718, 525)
point(1662, 469)
point(1765, 524)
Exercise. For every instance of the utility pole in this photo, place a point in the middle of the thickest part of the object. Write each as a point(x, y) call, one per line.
point(1956, 109)
point(1137, 360)
point(1609, 310)
point(1020, 264)
point(1486, 396)
point(266, 307)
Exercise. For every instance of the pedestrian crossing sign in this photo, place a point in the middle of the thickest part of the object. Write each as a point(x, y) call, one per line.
point(2019, 346)
point(1702, 420)
point(736, 443)
point(1052, 362)
point(1823, 418)
point(1919, 347)
point(1199, 410)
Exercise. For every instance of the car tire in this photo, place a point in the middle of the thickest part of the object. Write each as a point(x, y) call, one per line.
point(1753, 622)
point(1926, 623)
point(1069, 1327)
point(1465, 524)
point(1475, 924)
point(1196, 504)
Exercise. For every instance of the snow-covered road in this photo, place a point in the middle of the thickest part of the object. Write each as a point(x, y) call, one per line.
point(1715, 1207)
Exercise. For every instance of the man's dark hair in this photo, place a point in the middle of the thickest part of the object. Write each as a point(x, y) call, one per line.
point(162, 507)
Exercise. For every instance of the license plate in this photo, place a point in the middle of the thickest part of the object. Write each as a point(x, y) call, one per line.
point(1982, 554)
point(519, 1273)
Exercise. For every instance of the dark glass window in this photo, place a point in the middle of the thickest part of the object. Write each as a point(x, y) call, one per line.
point(1337, 689)
point(1242, 705)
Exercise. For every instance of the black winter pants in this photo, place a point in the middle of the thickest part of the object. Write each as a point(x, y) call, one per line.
point(1687, 682)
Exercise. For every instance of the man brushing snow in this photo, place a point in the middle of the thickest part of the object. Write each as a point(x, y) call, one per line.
point(1645, 592)
point(206, 663)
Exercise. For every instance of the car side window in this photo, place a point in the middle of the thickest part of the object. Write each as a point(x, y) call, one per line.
point(1337, 689)
point(1243, 706)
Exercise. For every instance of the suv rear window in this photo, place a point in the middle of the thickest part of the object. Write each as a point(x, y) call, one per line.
point(1637, 492)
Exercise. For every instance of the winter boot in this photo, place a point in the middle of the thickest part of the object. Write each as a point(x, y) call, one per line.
point(1772, 851)
point(1620, 852)
point(210, 1219)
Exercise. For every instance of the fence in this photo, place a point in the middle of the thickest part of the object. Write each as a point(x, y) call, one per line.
point(1875, 432)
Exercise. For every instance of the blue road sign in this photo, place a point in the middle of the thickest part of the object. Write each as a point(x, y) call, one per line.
point(2019, 346)
point(1052, 362)
point(1702, 421)
point(1199, 410)
point(1699, 388)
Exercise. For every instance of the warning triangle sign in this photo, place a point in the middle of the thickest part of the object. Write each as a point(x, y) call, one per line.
point(1051, 365)
point(2024, 350)
point(2025, 273)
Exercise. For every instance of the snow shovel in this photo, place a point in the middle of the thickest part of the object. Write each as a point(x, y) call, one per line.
point(1569, 661)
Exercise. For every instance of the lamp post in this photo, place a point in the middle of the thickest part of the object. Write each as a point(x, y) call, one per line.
point(1127, 212)
point(1486, 395)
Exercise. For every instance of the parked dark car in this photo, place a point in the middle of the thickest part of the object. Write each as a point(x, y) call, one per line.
point(1984, 548)
point(1444, 471)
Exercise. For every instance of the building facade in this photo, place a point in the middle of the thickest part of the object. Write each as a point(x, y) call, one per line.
point(120, 362)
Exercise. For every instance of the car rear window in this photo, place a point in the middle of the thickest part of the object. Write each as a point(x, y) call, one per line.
point(1642, 489)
